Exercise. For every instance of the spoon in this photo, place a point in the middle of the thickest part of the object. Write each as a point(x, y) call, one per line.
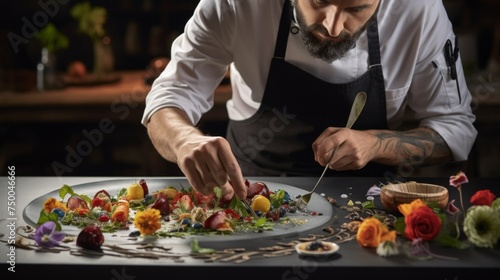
point(356, 108)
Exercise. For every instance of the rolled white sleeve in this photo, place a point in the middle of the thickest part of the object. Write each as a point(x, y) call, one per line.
point(433, 94)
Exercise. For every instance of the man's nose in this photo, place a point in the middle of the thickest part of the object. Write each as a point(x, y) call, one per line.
point(334, 22)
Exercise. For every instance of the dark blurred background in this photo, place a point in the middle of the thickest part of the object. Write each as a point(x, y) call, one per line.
point(138, 32)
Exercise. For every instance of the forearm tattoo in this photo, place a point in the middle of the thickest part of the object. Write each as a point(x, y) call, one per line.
point(420, 147)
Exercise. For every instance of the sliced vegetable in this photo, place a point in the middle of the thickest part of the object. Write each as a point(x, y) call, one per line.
point(75, 202)
point(121, 212)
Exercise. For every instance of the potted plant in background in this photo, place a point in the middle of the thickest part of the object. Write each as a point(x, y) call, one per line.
point(51, 40)
point(91, 20)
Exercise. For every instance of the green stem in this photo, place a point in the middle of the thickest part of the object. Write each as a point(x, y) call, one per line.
point(461, 199)
point(457, 228)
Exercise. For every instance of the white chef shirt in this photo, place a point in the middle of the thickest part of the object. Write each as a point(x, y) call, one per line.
point(241, 34)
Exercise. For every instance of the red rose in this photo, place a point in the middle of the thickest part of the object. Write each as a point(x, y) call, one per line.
point(482, 197)
point(422, 223)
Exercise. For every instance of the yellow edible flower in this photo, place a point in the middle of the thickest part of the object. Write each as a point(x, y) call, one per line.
point(52, 203)
point(148, 221)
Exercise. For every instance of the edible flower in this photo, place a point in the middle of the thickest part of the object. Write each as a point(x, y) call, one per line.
point(451, 208)
point(52, 203)
point(46, 235)
point(457, 181)
point(482, 226)
point(420, 220)
point(373, 191)
point(372, 232)
point(148, 221)
point(482, 197)
point(454, 211)
point(387, 248)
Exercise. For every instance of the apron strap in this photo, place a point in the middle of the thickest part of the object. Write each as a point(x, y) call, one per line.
point(375, 69)
point(373, 43)
point(285, 22)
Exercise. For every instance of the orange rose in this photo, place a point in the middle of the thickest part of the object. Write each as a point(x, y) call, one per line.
point(422, 223)
point(372, 232)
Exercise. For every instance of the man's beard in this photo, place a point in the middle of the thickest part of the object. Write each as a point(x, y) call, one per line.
point(324, 49)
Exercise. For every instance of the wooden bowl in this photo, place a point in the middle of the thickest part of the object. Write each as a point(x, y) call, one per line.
point(392, 195)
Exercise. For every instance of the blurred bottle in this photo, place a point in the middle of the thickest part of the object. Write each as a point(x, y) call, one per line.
point(45, 71)
point(104, 61)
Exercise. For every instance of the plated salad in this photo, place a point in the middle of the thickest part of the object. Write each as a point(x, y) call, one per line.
point(171, 210)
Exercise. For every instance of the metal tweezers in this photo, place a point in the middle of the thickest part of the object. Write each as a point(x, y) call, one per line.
point(250, 208)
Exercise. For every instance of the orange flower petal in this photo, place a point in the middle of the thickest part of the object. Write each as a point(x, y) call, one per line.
point(407, 208)
point(148, 221)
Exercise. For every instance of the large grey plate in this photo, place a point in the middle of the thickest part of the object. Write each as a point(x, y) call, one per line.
point(317, 204)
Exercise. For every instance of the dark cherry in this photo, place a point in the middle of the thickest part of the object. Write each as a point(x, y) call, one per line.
point(161, 203)
point(90, 238)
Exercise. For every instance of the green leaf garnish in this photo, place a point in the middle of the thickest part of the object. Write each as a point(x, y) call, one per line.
point(277, 198)
point(121, 193)
point(218, 195)
point(239, 207)
point(260, 222)
point(368, 204)
point(66, 189)
point(44, 217)
point(195, 248)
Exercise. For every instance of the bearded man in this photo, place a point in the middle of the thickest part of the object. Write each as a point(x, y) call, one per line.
point(295, 68)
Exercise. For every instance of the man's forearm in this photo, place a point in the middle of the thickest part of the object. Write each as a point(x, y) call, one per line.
point(167, 130)
point(419, 147)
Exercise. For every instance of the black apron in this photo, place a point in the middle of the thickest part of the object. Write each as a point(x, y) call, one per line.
point(297, 107)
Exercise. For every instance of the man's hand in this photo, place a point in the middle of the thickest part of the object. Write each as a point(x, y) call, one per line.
point(419, 147)
point(206, 161)
point(354, 148)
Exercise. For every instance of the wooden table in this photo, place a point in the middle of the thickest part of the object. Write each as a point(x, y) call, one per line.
point(37, 128)
point(122, 100)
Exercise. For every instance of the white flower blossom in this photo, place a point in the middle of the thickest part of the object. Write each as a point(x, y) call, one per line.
point(387, 249)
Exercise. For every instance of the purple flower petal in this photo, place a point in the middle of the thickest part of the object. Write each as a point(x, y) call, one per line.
point(47, 227)
point(47, 236)
point(373, 191)
point(58, 236)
